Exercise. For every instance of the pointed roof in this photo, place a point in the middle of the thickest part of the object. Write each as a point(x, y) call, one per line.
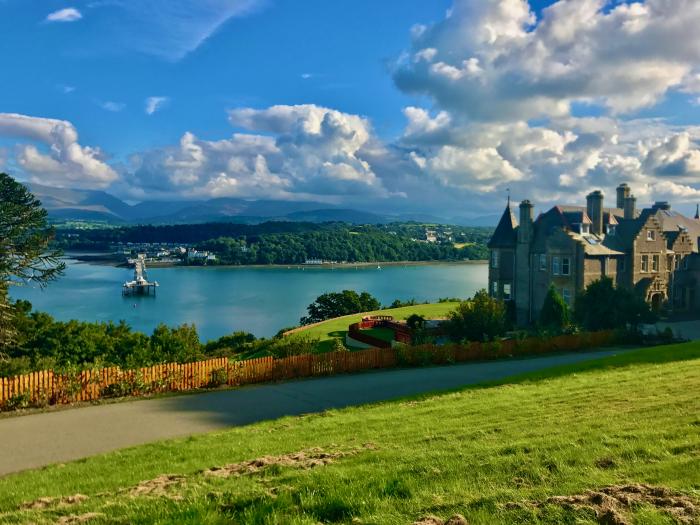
point(697, 212)
point(505, 235)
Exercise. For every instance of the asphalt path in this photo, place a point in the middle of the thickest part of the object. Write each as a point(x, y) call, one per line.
point(41, 439)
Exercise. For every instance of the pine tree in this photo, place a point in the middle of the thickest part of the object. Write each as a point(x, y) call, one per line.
point(554, 315)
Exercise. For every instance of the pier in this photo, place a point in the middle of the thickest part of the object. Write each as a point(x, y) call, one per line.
point(140, 285)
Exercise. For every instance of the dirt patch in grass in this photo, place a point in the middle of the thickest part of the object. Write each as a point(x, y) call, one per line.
point(307, 459)
point(612, 505)
point(156, 487)
point(457, 519)
point(45, 503)
point(80, 518)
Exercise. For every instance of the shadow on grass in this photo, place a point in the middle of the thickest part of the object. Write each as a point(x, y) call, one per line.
point(271, 401)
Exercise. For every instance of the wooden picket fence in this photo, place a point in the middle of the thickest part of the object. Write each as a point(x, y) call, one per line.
point(52, 388)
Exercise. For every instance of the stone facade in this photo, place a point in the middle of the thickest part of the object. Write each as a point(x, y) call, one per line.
point(653, 251)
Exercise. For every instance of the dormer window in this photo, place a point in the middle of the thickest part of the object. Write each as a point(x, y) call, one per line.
point(584, 229)
point(651, 235)
point(611, 229)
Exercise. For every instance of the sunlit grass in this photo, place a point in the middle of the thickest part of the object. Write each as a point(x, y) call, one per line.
point(630, 418)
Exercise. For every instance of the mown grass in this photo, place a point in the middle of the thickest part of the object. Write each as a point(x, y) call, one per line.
point(632, 418)
point(332, 329)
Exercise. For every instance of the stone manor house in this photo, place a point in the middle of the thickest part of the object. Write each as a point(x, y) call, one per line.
point(653, 251)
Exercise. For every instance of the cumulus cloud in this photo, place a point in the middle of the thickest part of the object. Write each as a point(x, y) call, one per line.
point(61, 159)
point(491, 59)
point(69, 14)
point(154, 104)
point(290, 152)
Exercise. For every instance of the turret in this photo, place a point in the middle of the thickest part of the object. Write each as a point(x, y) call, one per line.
point(594, 209)
point(623, 192)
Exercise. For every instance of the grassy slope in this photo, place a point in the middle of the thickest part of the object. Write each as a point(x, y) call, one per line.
point(470, 452)
point(328, 330)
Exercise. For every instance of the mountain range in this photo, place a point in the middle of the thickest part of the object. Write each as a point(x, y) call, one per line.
point(95, 205)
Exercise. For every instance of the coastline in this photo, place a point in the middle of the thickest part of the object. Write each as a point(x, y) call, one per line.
point(106, 260)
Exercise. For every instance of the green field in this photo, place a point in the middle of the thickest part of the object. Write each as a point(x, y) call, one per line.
point(329, 330)
point(493, 453)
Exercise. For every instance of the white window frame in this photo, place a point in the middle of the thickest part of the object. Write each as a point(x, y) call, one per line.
point(566, 266)
point(644, 264)
point(494, 289)
point(507, 291)
point(651, 235)
point(495, 259)
point(543, 262)
point(556, 268)
point(655, 263)
point(566, 295)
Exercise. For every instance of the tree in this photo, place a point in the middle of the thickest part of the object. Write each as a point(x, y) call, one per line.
point(25, 256)
point(602, 306)
point(554, 315)
point(331, 305)
point(481, 318)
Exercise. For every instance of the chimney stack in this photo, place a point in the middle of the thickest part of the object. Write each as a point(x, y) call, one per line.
point(594, 209)
point(630, 207)
point(623, 192)
point(526, 220)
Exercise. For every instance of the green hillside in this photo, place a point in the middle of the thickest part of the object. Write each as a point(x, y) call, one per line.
point(326, 331)
point(495, 454)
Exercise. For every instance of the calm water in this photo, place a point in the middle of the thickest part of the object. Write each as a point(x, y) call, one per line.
point(222, 300)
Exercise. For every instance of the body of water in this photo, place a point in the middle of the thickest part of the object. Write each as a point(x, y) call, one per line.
point(222, 300)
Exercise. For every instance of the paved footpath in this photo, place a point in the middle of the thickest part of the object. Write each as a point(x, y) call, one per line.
point(41, 439)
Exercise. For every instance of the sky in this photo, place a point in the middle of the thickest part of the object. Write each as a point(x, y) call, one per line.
point(439, 107)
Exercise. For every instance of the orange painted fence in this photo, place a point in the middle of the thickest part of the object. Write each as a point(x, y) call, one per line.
point(52, 388)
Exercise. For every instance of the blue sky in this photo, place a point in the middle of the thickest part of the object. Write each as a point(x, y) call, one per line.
point(413, 105)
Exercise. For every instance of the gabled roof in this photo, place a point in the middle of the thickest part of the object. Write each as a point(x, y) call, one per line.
point(505, 235)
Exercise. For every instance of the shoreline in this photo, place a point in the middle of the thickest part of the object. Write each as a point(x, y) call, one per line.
point(106, 261)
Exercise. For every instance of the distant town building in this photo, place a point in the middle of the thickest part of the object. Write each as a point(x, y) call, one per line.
point(653, 251)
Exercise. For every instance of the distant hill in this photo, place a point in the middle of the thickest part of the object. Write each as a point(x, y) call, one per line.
point(72, 204)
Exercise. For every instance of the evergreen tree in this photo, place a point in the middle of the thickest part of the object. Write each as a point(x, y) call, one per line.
point(481, 318)
point(25, 256)
point(554, 315)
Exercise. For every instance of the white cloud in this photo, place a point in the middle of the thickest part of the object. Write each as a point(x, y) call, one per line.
point(112, 106)
point(69, 14)
point(164, 28)
point(490, 59)
point(154, 104)
point(65, 161)
point(305, 151)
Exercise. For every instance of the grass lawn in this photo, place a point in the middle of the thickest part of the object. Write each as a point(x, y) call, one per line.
point(490, 453)
point(329, 330)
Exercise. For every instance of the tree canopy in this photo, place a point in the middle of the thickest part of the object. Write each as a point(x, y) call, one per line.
point(481, 318)
point(25, 256)
point(602, 306)
point(337, 304)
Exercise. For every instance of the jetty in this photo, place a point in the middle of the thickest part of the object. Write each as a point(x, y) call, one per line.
point(140, 285)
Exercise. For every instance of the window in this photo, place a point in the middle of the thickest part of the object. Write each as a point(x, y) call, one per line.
point(566, 295)
point(506, 292)
point(584, 228)
point(651, 235)
point(494, 289)
point(676, 262)
point(495, 258)
point(555, 265)
point(543, 262)
point(645, 263)
point(655, 263)
point(565, 266)
point(611, 229)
